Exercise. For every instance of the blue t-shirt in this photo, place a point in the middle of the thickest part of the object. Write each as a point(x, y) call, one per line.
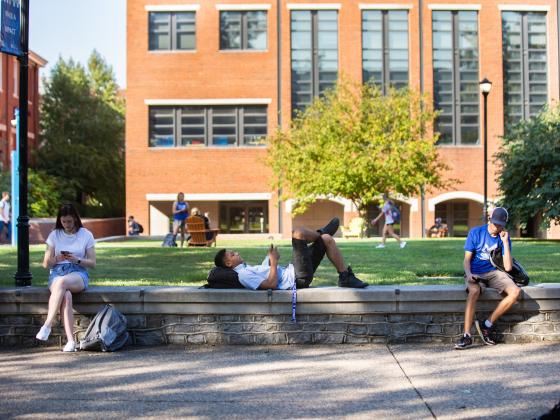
point(181, 205)
point(481, 243)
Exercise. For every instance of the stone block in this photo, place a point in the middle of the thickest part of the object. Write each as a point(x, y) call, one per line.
point(290, 326)
point(204, 318)
point(196, 339)
point(28, 342)
point(359, 329)
point(510, 318)
point(453, 329)
point(312, 326)
point(536, 318)
point(173, 319)
point(5, 330)
point(183, 328)
point(241, 339)
point(378, 339)
point(434, 329)
point(300, 338)
point(407, 328)
point(318, 318)
point(83, 321)
point(149, 338)
point(554, 316)
point(254, 327)
point(230, 318)
point(442, 319)
point(370, 318)
point(155, 321)
point(381, 328)
point(523, 328)
point(337, 327)
point(216, 338)
point(419, 339)
point(508, 339)
point(276, 338)
point(16, 320)
point(176, 339)
point(545, 328)
point(271, 327)
point(551, 337)
point(231, 327)
point(11, 340)
point(351, 339)
point(188, 319)
point(136, 321)
point(206, 328)
point(398, 318)
point(346, 318)
point(525, 338)
point(423, 318)
point(325, 338)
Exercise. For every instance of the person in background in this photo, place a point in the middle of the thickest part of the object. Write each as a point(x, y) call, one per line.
point(196, 212)
point(180, 213)
point(389, 222)
point(70, 252)
point(480, 273)
point(133, 226)
point(5, 214)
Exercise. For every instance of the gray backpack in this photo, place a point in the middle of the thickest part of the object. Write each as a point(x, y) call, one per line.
point(106, 332)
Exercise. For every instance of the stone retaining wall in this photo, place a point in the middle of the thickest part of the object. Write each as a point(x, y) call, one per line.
point(188, 315)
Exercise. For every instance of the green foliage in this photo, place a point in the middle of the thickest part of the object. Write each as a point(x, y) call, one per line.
point(529, 169)
point(43, 192)
point(82, 133)
point(356, 143)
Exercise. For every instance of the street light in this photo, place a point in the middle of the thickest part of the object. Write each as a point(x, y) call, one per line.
point(485, 86)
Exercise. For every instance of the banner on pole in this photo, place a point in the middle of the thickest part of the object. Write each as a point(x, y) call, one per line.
point(10, 27)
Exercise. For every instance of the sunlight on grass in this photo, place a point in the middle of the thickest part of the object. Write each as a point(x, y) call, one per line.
point(422, 262)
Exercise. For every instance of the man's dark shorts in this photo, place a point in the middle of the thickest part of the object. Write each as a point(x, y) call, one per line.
point(306, 259)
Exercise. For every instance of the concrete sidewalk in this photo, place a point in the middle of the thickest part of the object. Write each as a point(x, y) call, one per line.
point(340, 381)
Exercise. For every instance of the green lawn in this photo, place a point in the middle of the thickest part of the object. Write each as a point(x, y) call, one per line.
point(423, 261)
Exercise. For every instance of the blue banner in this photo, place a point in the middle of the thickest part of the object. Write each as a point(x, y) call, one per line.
point(10, 40)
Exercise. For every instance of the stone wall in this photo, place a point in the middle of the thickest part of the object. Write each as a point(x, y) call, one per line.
point(188, 315)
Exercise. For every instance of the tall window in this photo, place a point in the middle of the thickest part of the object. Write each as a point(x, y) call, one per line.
point(208, 126)
point(172, 31)
point(524, 55)
point(385, 48)
point(314, 43)
point(243, 30)
point(455, 62)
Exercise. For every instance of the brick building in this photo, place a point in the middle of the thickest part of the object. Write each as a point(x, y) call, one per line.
point(207, 80)
point(9, 101)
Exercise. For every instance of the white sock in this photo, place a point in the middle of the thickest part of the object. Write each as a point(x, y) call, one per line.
point(488, 323)
point(466, 335)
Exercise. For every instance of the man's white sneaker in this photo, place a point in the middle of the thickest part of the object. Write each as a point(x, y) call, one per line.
point(43, 333)
point(403, 244)
point(380, 246)
point(70, 346)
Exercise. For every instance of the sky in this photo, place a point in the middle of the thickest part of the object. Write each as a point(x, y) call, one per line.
point(74, 28)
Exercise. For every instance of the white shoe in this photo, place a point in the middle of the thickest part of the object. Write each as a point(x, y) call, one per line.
point(403, 244)
point(43, 333)
point(70, 346)
point(380, 246)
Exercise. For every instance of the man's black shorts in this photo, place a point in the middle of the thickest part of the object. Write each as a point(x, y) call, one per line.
point(306, 259)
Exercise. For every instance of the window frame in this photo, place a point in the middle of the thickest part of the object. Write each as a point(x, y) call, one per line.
point(524, 61)
point(243, 30)
point(385, 82)
point(239, 113)
point(173, 30)
point(456, 81)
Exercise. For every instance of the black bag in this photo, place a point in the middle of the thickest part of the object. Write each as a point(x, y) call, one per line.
point(106, 332)
point(517, 273)
point(169, 240)
point(140, 228)
point(223, 278)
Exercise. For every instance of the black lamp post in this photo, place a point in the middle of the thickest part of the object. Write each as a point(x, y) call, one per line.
point(485, 86)
point(23, 275)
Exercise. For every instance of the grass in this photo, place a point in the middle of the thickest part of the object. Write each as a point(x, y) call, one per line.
point(422, 262)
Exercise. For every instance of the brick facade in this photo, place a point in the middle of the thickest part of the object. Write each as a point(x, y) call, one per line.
point(213, 175)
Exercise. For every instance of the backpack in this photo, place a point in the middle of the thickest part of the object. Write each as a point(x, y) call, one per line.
point(106, 332)
point(517, 273)
point(169, 240)
point(140, 228)
point(223, 278)
point(395, 214)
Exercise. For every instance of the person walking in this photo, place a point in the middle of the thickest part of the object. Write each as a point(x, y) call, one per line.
point(180, 213)
point(70, 252)
point(389, 222)
point(5, 215)
point(480, 273)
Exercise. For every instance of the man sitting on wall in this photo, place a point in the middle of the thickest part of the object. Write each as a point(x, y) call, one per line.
point(480, 273)
point(306, 258)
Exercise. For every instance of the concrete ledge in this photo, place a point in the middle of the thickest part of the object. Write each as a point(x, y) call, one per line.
point(330, 314)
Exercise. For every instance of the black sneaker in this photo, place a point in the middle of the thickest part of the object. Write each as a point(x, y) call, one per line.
point(348, 279)
point(464, 342)
point(486, 334)
point(331, 227)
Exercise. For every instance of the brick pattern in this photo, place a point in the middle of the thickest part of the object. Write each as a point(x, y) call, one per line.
point(156, 329)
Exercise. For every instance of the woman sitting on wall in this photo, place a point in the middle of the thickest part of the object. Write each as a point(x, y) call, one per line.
point(70, 252)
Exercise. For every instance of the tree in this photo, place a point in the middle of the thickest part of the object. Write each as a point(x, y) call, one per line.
point(529, 169)
point(356, 143)
point(82, 136)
